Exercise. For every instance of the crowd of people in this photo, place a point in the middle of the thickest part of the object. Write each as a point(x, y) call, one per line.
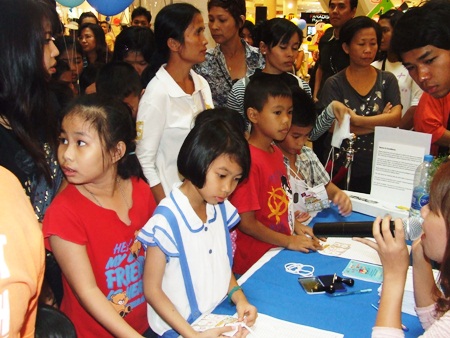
point(141, 174)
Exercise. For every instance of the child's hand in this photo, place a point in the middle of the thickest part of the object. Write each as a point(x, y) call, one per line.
point(301, 216)
point(343, 203)
point(246, 312)
point(392, 250)
point(304, 242)
point(339, 110)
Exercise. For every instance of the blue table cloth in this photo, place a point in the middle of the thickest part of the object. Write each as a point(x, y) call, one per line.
point(277, 293)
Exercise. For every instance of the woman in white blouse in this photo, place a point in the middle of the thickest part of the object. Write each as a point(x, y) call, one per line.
point(174, 96)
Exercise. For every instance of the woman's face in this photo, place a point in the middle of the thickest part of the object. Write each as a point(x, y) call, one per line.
point(136, 59)
point(50, 50)
point(362, 48)
point(387, 30)
point(75, 62)
point(280, 58)
point(222, 25)
point(193, 50)
point(434, 238)
point(247, 36)
point(87, 40)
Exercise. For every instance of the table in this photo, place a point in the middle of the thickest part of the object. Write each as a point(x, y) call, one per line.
point(278, 294)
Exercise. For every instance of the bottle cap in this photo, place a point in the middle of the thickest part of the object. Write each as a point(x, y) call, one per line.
point(428, 158)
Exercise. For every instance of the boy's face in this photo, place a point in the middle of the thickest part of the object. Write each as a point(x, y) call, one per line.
point(427, 66)
point(295, 139)
point(140, 20)
point(274, 120)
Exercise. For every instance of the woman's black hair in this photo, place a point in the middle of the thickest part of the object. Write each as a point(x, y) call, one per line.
point(276, 31)
point(170, 23)
point(135, 39)
point(100, 42)
point(86, 15)
point(118, 79)
point(353, 26)
point(236, 8)
point(112, 120)
point(206, 142)
point(53, 323)
point(24, 80)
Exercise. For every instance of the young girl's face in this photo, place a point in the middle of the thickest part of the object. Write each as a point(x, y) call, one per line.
point(193, 50)
point(295, 139)
point(80, 151)
point(434, 237)
point(222, 177)
point(50, 50)
point(280, 58)
point(136, 59)
point(247, 36)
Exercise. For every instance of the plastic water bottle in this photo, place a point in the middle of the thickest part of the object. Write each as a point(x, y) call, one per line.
point(421, 191)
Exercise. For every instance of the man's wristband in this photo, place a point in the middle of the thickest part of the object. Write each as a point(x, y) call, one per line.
point(232, 291)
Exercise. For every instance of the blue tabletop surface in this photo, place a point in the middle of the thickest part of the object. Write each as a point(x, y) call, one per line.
point(277, 293)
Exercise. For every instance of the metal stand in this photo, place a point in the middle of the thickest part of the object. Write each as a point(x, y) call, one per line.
point(349, 155)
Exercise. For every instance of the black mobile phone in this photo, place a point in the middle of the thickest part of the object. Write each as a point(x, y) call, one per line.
point(328, 280)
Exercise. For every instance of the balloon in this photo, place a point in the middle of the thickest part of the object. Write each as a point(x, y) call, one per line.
point(70, 3)
point(326, 26)
point(301, 24)
point(295, 21)
point(110, 7)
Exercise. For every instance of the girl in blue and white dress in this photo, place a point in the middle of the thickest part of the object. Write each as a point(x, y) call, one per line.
point(187, 268)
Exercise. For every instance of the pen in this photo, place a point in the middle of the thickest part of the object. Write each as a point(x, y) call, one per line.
point(404, 328)
point(337, 294)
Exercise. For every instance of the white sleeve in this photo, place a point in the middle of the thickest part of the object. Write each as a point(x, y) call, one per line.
point(416, 93)
point(150, 124)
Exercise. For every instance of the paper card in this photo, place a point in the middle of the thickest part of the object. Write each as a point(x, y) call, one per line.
point(397, 154)
point(364, 271)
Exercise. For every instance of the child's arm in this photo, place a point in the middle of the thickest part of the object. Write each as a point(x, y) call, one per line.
point(252, 227)
point(154, 267)
point(245, 311)
point(82, 281)
point(339, 198)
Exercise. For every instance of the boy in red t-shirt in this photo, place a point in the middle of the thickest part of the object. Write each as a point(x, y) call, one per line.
point(263, 200)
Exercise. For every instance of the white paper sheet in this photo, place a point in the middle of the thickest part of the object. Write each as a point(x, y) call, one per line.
point(350, 249)
point(393, 176)
point(396, 155)
point(269, 327)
